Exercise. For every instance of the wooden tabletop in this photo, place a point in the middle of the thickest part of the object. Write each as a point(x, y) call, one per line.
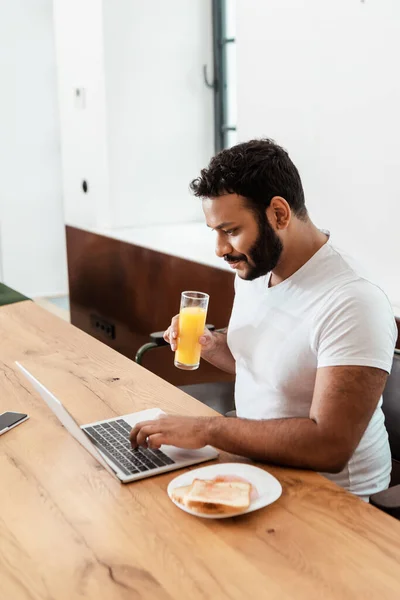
point(69, 530)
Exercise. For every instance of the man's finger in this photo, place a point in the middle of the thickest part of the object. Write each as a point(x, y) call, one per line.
point(133, 435)
point(136, 430)
point(144, 433)
point(174, 337)
point(156, 440)
point(174, 332)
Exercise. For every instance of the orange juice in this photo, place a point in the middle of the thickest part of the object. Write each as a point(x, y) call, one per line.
point(192, 320)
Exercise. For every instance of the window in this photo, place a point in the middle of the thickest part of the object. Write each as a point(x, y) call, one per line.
point(224, 82)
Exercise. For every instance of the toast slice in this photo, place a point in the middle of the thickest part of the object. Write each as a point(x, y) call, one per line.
point(218, 497)
point(178, 494)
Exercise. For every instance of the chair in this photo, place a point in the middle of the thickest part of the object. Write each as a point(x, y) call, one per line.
point(218, 395)
point(389, 500)
point(9, 296)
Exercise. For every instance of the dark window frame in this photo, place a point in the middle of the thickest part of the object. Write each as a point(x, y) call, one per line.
point(219, 83)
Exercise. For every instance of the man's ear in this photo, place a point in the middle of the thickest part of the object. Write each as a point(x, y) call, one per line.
point(279, 213)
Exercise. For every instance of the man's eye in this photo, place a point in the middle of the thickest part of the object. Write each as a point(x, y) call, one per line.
point(231, 231)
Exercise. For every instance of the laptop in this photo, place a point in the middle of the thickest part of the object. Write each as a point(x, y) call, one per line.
point(108, 441)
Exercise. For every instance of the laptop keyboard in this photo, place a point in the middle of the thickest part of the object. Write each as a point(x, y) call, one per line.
point(113, 440)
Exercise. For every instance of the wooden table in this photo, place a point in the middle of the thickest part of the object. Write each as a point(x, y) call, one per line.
point(68, 530)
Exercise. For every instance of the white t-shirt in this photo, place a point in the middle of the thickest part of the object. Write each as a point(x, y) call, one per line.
point(325, 314)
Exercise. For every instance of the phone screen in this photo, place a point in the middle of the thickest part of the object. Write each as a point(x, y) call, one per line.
point(8, 419)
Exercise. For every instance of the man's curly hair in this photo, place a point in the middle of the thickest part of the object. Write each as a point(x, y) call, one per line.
point(258, 170)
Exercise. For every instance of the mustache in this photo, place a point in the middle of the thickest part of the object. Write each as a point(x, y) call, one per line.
point(232, 259)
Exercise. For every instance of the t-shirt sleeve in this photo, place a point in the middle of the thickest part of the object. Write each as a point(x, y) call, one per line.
point(356, 327)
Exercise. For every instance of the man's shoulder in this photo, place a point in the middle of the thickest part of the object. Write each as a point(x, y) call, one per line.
point(367, 292)
point(360, 298)
point(352, 279)
point(345, 263)
point(347, 287)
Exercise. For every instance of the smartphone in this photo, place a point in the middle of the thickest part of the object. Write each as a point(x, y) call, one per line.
point(8, 420)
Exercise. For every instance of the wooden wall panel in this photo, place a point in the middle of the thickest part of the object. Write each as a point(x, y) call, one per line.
point(138, 290)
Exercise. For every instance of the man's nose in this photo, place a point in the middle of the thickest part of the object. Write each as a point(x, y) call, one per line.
point(222, 246)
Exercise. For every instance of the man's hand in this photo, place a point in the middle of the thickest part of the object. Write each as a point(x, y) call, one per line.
point(214, 347)
point(207, 339)
point(183, 432)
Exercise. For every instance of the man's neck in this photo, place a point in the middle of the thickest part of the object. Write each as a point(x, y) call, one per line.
point(306, 240)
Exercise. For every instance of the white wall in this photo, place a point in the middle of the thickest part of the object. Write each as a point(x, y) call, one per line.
point(80, 64)
point(31, 216)
point(321, 77)
point(147, 128)
point(160, 113)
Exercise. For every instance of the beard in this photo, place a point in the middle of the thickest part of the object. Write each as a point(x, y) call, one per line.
point(264, 254)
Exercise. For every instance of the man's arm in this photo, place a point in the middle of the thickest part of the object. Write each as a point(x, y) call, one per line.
point(215, 350)
point(344, 401)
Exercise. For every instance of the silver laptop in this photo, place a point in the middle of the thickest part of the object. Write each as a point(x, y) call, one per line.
point(108, 441)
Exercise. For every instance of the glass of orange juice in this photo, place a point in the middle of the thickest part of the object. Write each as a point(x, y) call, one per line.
point(192, 320)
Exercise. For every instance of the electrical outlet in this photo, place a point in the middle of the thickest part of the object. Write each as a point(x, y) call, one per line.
point(102, 326)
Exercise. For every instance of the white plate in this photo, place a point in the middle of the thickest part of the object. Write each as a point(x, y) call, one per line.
point(268, 487)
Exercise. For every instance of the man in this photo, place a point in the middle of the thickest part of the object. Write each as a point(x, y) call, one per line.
point(310, 341)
